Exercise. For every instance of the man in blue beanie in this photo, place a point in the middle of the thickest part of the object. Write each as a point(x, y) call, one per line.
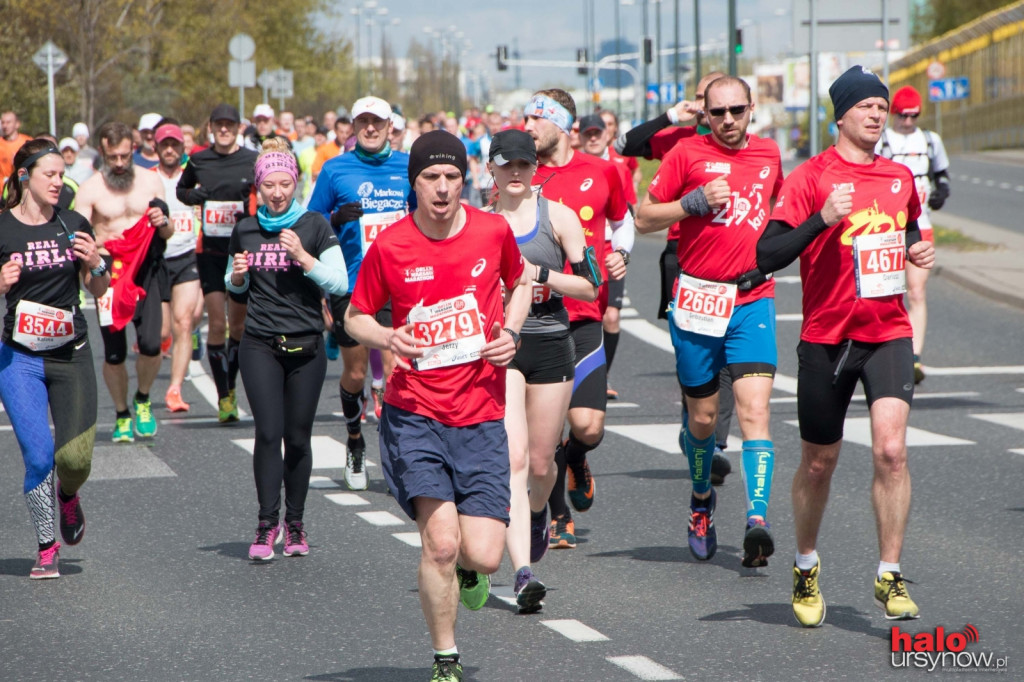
point(851, 217)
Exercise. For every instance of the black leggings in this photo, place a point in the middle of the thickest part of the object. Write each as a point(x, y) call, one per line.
point(283, 393)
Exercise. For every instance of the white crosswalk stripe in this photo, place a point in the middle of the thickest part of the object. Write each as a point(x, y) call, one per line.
point(858, 430)
point(1013, 420)
point(347, 499)
point(574, 630)
point(644, 668)
point(381, 518)
point(328, 453)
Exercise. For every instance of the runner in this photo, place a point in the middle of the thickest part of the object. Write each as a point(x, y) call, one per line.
point(851, 216)
point(442, 440)
point(262, 128)
point(539, 382)
point(145, 155)
point(125, 208)
point(283, 256)
point(11, 139)
point(361, 193)
point(719, 189)
point(45, 360)
point(219, 179)
point(184, 311)
point(591, 187)
point(924, 154)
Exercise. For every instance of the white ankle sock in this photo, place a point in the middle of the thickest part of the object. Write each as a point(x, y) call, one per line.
point(885, 566)
point(806, 562)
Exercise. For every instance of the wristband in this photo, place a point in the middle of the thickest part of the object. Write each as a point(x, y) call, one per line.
point(624, 254)
point(542, 275)
point(99, 270)
point(515, 336)
point(673, 116)
point(695, 203)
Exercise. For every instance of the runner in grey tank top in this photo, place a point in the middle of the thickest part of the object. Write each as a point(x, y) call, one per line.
point(539, 246)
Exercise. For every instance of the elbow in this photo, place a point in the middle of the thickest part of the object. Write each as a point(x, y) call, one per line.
point(644, 224)
point(592, 294)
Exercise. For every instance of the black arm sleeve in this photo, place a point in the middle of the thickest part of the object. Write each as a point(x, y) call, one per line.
point(185, 183)
point(637, 142)
point(781, 244)
point(913, 233)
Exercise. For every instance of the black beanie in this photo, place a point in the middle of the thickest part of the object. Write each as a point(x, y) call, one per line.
point(856, 85)
point(437, 146)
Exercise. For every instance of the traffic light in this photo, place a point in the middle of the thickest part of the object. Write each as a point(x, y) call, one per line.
point(583, 60)
point(739, 41)
point(648, 51)
point(502, 57)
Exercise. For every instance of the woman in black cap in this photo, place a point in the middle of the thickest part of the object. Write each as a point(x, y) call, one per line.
point(540, 378)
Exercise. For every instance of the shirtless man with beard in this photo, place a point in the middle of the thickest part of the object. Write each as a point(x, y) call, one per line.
point(114, 200)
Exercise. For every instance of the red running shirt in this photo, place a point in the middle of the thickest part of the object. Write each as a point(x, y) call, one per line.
point(662, 143)
point(591, 187)
point(406, 267)
point(722, 245)
point(884, 200)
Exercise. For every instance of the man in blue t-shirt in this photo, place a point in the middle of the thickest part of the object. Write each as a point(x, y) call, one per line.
point(361, 194)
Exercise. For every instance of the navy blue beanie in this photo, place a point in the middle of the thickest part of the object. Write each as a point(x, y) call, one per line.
point(856, 85)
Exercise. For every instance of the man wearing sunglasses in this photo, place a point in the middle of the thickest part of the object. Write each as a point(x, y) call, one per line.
point(923, 153)
point(719, 188)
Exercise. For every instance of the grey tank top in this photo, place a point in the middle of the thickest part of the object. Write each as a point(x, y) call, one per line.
point(548, 313)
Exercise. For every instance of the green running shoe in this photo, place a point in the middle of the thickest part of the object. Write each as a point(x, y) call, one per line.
point(145, 422)
point(446, 669)
point(123, 431)
point(227, 408)
point(473, 588)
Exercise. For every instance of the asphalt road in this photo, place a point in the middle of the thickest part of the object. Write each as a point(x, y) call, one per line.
point(986, 187)
point(160, 588)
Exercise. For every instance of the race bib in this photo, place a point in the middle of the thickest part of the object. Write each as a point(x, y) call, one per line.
point(703, 307)
point(182, 222)
point(372, 224)
point(450, 330)
point(541, 293)
point(219, 217)
point(104, 307)
point(42, 327)
point(880, 264)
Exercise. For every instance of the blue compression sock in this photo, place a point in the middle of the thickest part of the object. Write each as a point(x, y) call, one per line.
point(698, 454)
point(758, 466)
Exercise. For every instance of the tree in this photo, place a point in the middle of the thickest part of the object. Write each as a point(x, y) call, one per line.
point(933, 18)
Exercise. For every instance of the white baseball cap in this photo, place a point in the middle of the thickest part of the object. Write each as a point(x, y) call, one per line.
point(79, 130)
point(371, 105)
point(398, 121)
point(149, 121)
point(264, 110)
point(67, 142)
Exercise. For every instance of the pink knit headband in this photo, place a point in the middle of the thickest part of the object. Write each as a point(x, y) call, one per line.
point(274, 162)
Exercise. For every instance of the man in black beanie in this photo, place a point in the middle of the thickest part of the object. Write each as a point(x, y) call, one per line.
point(444, 450)
point(851, 217)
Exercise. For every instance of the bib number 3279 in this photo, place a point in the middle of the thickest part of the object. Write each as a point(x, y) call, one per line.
point(450, 332)
point(704, 307)
point(880, 262)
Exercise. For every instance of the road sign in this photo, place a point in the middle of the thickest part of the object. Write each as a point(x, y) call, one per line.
point(241, 74)
point(283, 85)
point(48, 52)
point(241, 47)
point(948, 89)
point(936, 70)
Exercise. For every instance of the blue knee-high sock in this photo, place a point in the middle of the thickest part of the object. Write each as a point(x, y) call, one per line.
point(698, 454)
point(758, 466)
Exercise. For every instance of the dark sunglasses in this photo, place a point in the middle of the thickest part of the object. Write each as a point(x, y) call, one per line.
point(908, 115)
point(736, 111)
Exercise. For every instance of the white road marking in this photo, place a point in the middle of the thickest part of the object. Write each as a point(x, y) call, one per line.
point(617, 404)
point(787, 279)
point(323, 482)
point(575, 630)
point(1018, 451)
point(347, 499)
point(1014, 420)
point(643, 667)
point(328, 453)
point(973, 371)
point(858, 430)
point(859, 397)
point(629, 312)
point(789, 317)
point(411, 539)
point(506, 593)
point(664, 437)
point(204, 384)
point(381, 518)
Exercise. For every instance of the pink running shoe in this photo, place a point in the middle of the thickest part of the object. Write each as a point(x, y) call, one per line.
point(295, 539)
point(267, 535)
point(46, 564)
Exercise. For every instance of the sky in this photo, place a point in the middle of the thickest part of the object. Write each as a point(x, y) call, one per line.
point(554, 29)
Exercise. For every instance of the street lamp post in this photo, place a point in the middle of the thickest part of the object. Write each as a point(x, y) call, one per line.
point(643, 58)
point(657, 47)
point(696, 41)
point(357, 13)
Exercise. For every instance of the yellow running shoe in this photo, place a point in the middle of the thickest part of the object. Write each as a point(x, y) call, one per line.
point(808, 604)
point(227, 408)
point(891, 595)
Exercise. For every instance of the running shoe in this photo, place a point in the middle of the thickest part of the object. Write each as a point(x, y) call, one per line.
point(267, 535)
point(333, 349)
point(355, 465)
point(46, 564)
point(378, 400)
point(891, 595)
point(295, 539)
point(808, 604)
point(123, 431)
point(580, 485)
point(703, 537)
point(173, 401)
point(145, 422)
point(227, 408)
point(446, 669)
point(540, 536)
point(197, 346)
point(165, 347)
point(473, 588)
point(720, 466)
point(918, 372)
point(562, 533)
point(72, 520)
point(611, 393)
point(529, 591)
point(757, 543)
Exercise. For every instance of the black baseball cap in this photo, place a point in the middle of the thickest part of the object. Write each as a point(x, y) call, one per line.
point(509, 145)
point(591, 121)
point(225, 112)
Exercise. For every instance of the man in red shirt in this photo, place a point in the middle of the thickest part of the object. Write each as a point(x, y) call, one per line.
point(851, 217)
point(718, 189)
point(591, 187)
point(444, 450)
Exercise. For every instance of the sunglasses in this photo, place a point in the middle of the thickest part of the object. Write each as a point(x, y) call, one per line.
point(736, 111)
point(908, 115)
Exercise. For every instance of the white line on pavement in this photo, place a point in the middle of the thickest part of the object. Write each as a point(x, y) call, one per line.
point(204, 384)
point(789, 317)
point(411, 539)
point(613, 403)
point(323, 482)
point(1014, 420)
point(328, 453)
point(575, 630)
point(972, 371)
point(858, 430)
point(1018, 451)
point(643, 667)
point(381, 518)
point(347, 499)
